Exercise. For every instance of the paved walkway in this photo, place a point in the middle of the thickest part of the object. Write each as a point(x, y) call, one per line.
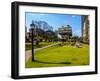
point(28, 53)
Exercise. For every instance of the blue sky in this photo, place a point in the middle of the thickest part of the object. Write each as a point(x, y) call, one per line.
point(56, 20)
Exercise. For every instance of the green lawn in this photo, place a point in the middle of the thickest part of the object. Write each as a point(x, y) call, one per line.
point(28, 46)
point(60, 56)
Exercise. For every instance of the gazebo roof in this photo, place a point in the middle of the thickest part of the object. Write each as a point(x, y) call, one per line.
point(65, 29)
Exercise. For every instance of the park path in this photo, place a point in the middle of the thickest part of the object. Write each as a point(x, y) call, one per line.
point(28, 53)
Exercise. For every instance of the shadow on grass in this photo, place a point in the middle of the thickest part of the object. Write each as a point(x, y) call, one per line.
point(52, 62)
point(84, 64)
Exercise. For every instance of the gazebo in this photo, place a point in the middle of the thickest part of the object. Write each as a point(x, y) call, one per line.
point(65, 32)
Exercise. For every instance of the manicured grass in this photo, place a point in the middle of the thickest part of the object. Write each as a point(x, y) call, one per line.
point(60, 56)
point(28, 46)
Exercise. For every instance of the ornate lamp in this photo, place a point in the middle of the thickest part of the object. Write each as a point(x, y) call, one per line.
point(32, 25)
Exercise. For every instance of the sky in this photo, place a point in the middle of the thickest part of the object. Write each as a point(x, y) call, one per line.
point(56, 20)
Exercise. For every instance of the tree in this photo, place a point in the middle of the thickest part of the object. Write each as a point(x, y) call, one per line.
point(75, 38)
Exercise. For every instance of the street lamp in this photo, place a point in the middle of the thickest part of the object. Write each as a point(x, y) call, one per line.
point(32, 25)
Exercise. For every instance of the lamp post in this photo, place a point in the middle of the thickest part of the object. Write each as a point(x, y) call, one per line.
point(32, 25)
